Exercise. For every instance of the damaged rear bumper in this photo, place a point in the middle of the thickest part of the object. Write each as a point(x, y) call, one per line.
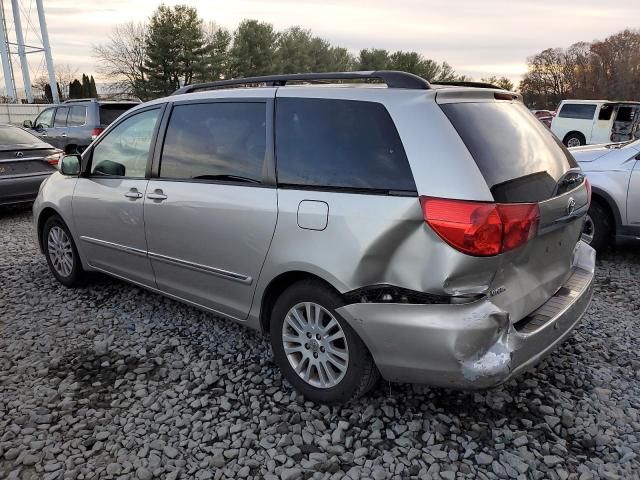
point(472, 345)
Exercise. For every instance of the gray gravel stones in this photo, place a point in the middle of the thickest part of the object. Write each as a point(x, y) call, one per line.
point(111, 381)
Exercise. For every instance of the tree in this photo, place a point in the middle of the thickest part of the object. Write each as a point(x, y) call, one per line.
point(75, 89)
point(93, 90)
point(86, 87)
point(373, 59)
point(122, 59)
point(47, 92)
point(216, 54)
point(254, 49)
point(608, 68)
point(175, 48)
point(502, 82)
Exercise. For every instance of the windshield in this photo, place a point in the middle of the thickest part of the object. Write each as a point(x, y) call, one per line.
point(16, 136)
point(520, 159)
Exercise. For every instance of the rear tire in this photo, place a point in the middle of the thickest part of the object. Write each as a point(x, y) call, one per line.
point(574, 139)
point(61, 253)
point(334, 364)
point(598, 227)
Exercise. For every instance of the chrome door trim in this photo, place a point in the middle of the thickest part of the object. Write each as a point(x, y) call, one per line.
point(201, 268)
point(115, 246)
point(171, 260)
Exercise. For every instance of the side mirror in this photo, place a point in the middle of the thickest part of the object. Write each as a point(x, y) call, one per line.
point(70, 165)
point(27, 124)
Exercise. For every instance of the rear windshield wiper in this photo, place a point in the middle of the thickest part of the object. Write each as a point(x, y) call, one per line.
point(231, 178)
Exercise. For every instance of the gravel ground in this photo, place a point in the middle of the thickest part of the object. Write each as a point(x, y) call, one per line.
point(111, 381)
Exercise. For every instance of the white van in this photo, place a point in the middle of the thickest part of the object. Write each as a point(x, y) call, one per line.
point(583, 122)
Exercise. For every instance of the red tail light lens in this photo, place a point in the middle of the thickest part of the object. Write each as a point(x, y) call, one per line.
point(54, 158)
point(95, 132)
point(481, 229)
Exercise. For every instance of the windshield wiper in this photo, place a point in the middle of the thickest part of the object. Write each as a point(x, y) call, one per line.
point(231, 178)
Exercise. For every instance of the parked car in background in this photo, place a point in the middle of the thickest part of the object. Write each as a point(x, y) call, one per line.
point(74, 124)
point(447, 255)
point(545, 116)
point(586, 122)
point(25, 161)
point(614, 173)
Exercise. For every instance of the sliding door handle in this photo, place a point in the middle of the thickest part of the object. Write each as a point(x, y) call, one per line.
point(157, 195)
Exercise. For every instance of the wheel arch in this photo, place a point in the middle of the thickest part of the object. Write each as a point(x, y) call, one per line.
point(44, 215)
point(277, 286)
point(608, 203)
point(574, 132)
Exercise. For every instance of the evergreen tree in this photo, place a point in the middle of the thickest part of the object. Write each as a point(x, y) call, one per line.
point(254, 49)
point(175, 48)
point(93, 89)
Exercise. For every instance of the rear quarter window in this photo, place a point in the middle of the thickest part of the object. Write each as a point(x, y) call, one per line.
point(520, 159)
point(109, 112)
point(579, 111)
point(339, 144)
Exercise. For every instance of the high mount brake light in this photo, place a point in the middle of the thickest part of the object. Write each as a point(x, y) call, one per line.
point(481, 229)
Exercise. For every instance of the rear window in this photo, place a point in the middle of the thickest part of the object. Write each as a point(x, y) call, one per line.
point(339, 144)
point(109, 112)
point(520, 159)
point(17, 136)
point(580, 111)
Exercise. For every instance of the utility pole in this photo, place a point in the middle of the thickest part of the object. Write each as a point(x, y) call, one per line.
point(26, 78)
point(47, 52)
point(6, 59)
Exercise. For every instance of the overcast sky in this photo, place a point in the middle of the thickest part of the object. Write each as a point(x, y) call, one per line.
point(478, 38)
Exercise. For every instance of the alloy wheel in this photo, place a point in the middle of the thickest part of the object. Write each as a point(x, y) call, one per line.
point(315, 345)
point(60, 251)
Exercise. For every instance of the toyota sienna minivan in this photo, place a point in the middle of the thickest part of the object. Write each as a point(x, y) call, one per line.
point(370, 223)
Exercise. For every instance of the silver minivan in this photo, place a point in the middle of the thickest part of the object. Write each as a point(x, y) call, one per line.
point(375, 225)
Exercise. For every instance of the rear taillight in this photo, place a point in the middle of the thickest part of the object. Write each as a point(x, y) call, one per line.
point(96, 132)
point(481, 229)
point(54, 158)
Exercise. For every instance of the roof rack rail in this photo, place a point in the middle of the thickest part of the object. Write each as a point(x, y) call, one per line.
point(75, 100)
point(393, 79)
point(469, 84)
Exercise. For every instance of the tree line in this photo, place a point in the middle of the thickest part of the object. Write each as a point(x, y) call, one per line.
point(176, 48)
point(602, 69)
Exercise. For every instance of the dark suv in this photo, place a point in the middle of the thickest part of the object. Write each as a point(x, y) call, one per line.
point(72, 125)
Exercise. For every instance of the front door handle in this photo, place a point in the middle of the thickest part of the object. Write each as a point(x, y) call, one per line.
point(133, 194)
point(157, 195)
point(64, 134)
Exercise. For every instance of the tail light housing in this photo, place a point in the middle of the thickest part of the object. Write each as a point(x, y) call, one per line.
point(54, 158)
point(96, 132)
point(481, 229)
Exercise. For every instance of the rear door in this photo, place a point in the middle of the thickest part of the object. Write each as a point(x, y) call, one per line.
point(77, 132)
point(211, 206)
point(523, 163)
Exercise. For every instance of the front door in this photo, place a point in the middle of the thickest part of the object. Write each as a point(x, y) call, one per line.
point(43, 123)
point(210, 213)
point(108, 201)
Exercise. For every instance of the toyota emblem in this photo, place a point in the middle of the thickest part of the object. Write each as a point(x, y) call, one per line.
point(19, 154)
point(571, 206)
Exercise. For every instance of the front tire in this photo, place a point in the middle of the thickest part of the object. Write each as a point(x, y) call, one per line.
point(61, 253)
point(598, 227)
point(316, 349)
